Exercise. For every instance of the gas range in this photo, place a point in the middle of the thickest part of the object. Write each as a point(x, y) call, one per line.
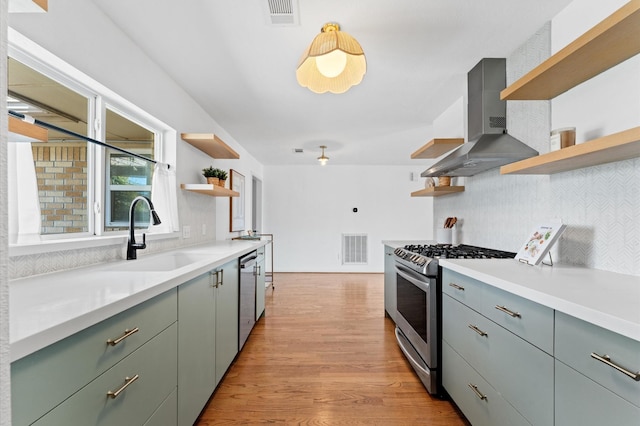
point(423, 258)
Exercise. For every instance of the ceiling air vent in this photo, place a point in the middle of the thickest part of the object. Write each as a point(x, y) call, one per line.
point(281, 13)
point(298, 150)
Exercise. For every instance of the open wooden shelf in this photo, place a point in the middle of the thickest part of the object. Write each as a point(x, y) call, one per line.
point(612, 41)
point(616, 147)
point(28, 6)
point(211, 145)
point(207, 189)
point(436, 147)
point(26, 132)
point(436, 191)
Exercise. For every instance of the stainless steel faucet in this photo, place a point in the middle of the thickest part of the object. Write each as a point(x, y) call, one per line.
point(132, 246)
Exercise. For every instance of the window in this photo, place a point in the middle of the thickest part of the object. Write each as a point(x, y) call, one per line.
point(84, 189)
point(126, 176)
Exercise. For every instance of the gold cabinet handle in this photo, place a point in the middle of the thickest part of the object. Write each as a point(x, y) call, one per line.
point(126, 334)
point(477, 330)
point(456, 286)
point(127, 382)
point(479, 394)
point(508, 311)
point(606, 359)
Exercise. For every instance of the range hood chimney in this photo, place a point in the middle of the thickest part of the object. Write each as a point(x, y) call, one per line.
point(489, 145)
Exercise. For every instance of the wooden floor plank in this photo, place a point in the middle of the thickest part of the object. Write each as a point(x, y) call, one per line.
point(325, 355)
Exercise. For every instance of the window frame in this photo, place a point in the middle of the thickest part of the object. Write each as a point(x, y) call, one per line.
point(99, 98)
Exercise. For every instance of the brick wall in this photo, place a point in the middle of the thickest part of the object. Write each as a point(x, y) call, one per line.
point(61, 170)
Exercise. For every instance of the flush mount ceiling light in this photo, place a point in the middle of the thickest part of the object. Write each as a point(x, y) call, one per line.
point(323, 159)
point(333, 62)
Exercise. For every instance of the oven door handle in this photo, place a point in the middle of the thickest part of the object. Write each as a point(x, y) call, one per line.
point(420, 281)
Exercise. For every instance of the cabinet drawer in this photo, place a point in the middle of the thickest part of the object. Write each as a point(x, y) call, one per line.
point(576, 340)
point(42, 380)
point(167, 413)
point(155, 365)
point(582, 402)
point(527, 319)
point(457, 379)
point(519, 371)
point(463, 288)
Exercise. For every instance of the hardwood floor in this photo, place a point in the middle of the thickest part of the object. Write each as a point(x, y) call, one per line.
point(325, 354)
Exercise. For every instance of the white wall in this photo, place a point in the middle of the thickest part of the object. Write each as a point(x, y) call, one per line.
point(308, 208)
point(77, 32)
point(600, 204)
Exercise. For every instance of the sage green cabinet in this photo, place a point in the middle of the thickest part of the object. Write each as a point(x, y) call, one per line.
point(227, 311)
point(492, 332)
point(596, 375)
point(260, 283)
point(390, 297)
point(196, 346)
point(207, 336)
point(138, 385)
point(46, 378)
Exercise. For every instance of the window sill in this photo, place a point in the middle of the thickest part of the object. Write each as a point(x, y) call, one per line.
point(50, 246)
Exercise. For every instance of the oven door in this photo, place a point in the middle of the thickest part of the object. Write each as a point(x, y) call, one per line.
point(417, 312)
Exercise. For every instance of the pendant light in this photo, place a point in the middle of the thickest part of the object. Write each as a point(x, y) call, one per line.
point(323, 159)
point(333, 62)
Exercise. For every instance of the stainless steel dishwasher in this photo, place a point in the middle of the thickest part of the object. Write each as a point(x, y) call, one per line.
point(247, 296)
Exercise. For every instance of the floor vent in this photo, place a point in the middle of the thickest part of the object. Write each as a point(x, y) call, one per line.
point(354, 249)
point(281, 12)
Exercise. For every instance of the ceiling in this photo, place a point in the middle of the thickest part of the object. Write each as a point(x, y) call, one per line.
point(241, 69)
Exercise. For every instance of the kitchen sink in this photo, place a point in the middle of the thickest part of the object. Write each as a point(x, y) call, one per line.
point(160, 262)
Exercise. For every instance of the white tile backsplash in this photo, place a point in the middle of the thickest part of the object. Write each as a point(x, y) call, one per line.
point(600, 204)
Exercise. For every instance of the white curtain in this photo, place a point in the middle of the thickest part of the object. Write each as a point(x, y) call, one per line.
point(25, 221)
point(164, 198)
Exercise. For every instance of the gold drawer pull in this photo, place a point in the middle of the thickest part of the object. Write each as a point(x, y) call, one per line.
point(607, 360)
point(127, 382)
point(508, 311)
point(456, 286)
point(479, 394)
point(477, 330)
point(126, 334)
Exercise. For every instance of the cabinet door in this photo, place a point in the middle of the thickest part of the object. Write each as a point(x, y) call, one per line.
point(582, 402)
point(390, 297)
point(227, 310)
point(260, 282)
point(196, 346)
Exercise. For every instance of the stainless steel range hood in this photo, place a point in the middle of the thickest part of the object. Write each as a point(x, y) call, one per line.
point(489, 144)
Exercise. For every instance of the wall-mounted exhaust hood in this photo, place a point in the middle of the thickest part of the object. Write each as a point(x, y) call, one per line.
point(489, 144)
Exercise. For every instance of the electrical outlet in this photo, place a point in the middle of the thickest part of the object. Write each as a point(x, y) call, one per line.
point(204, 229)
point(186, 231)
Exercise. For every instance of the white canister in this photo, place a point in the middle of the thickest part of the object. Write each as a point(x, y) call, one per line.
point(562, 138)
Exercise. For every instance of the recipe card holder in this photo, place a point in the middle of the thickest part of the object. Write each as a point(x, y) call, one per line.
point(539, 244)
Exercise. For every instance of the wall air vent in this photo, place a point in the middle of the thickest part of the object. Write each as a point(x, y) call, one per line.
point(281, 13)
point(354, 249)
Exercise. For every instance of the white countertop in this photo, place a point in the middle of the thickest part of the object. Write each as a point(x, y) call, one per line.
point(47, 308)
point(607, 299)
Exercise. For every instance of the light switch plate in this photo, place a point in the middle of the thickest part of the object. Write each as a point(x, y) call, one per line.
point(186, 231)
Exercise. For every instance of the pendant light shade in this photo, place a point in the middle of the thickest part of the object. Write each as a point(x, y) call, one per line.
point(333, 62)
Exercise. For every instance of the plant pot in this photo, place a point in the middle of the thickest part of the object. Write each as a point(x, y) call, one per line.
point(213, 181)
point(222, 182)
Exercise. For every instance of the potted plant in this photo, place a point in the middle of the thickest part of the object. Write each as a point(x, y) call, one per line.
point(211, 174)
point(222, 177)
